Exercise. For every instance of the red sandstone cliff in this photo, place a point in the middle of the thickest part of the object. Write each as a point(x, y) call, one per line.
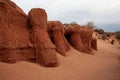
point(33, 38)
point(14, 32)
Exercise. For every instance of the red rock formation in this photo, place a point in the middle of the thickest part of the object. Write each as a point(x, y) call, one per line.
point(45, 49)
point(73, 36)
point(86, 36)
point(94, 43)
point(14, 33)
point(80, 38)
point(56, 31)
point(20, 40)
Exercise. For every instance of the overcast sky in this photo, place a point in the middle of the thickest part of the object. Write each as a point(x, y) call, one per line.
point(104, 13)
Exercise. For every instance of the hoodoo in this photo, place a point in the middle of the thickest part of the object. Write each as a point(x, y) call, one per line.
point(94, 43)
point(45, 49)
point(79, 37)
point(56, 32)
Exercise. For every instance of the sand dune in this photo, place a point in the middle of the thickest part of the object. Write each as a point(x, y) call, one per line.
point(104, 65)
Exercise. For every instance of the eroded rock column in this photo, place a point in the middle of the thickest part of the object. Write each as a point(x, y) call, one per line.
point(80, 38)
point(56, 29)
point(45, 49)
point(94, 43)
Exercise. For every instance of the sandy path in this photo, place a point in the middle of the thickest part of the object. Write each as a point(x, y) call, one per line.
point(104, 65)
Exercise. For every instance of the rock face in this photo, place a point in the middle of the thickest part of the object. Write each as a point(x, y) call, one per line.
point(45, 49)
point(80, 38)
point(94, 43)
point(14, 33)
point(33, 38)
point(56, 31)
point(86, 36)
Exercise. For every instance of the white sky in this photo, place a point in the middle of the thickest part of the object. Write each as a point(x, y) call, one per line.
point(80, 11)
